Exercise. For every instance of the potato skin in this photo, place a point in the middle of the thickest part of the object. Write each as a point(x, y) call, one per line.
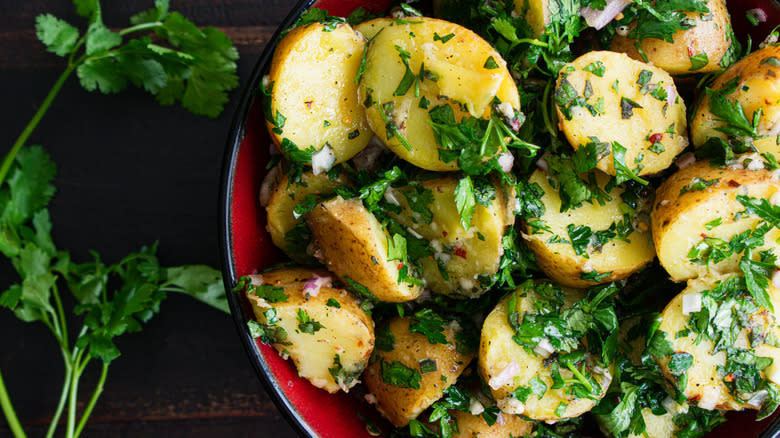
point(678, 219)
point(561, 263)
point(348, 332)
point(636, 130)
point(459, 68)
point(284, 196)
point(473, 426)
point(703, 374)
point(497, 350)
point(353, 244)
point(535, 12)
point(707, 36)
point(399, 404)
point(313, 87)
point(466, 254)
point(758, 86)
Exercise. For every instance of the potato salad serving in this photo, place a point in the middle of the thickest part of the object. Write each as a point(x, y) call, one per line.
point(526, 218)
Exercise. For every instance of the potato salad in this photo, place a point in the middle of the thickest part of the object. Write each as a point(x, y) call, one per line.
point(504, 217)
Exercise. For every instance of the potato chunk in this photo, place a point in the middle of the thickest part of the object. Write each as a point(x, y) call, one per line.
point(320, 327)
point(411, 373)
point(710, 37)
point(753, 82)
point(550, 238)
point(697, 209)
point(352, 243)
point(628, 106)
point(470, 426)
point(467, 256)
point(314, 99)
point(722, 369)
point(420, 64)
point(281, 218)
point(508, 367)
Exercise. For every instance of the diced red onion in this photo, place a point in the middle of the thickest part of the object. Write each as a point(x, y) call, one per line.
point(506, 161)
point(267, 186)
point(544, 348)
point(600, 18)
point(256, 279)
point(685, 160)
point(759, 14)
point(505, 376)
point(322, 160)
point(541, 163)
point(313, 285)
point(500, 418)
point(776, 278)
point(671, 94)
point(691, 303)
point(475, 407)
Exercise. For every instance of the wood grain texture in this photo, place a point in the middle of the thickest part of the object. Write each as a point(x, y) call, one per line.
point(131, 173)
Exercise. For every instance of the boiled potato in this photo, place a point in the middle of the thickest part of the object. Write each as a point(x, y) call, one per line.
point(536, 14)
point(370, 28)
point(418, 64)
point(709, 36)
point(322, 328)
point(283, 197)
point(692, 362)
point(507, 366)
point(556, 256)
point(634, 107)
point(411, 374)
point(466, 255)
point(474, 426)
point(756, 87)
point(700, 201)
point(313, 95)
point(352, 243)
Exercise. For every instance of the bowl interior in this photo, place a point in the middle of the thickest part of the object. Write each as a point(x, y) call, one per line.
point(247, 249)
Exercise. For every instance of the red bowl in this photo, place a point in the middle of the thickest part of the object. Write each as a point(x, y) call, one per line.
point(247, 248)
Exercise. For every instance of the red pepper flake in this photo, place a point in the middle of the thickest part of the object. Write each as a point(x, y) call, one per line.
point(655, 138)
point(308, 104)
point(690, 51)
point(444, 233)
point(460, 252)
point(729, 378)
point(400, 266)
point(516, 124)
point(733, 183)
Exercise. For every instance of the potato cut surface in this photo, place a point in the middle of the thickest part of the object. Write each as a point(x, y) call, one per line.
point(418, 64)
point(320, 327)
point(352, 243)
point(465, 255)
point(708, 40)
point(500, 355)
point(698, 207)
point(412, 373)
point(596, 263)
point(631, 107)
point(314, 98)
point(753, 82)
point(281, 218)
point(700, 366)
point(470, 426)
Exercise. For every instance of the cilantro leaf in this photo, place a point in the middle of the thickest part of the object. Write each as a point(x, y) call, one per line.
point(201, 282)
point(465, 201)
point(58, 35)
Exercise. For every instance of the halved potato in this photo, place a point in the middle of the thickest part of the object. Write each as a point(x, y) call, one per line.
point(466, 255)
point(710, 37)
point(499, 353)
point(320, 327)
point(370, 28)
point(471, 426)
point(536, 13)
point(414, 372)
point(284, 196)
point(351, 242)
point(415, 65)
point(757, 87)
point(556, 256)
point(634, 107)
point(313, 95)
point(699, 202)
point(704, 382)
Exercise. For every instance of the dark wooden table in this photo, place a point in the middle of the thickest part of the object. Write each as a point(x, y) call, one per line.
point(130, 173)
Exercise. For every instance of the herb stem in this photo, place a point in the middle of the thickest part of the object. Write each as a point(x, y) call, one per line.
point(580, 377)
point(63, 322)
point(93, 400)
point(546, 109)
point(74, 392)
point(8, 410)
point(140, 27)
point(11, 155)
point(63, 395)
point(532, 41)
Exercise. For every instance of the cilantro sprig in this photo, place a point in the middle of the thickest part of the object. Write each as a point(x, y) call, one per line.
point(183, 63)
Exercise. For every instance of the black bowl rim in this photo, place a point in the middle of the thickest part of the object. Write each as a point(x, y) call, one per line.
point(229, 275)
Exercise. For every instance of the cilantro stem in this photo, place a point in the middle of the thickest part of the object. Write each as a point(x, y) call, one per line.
point(140, 27)
point(546, 109)
point(532, 41)
point(63, 395)
point(74, 393)
point(11, 155)
point(580, 377)
point(8, 410)
point(93, 400)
